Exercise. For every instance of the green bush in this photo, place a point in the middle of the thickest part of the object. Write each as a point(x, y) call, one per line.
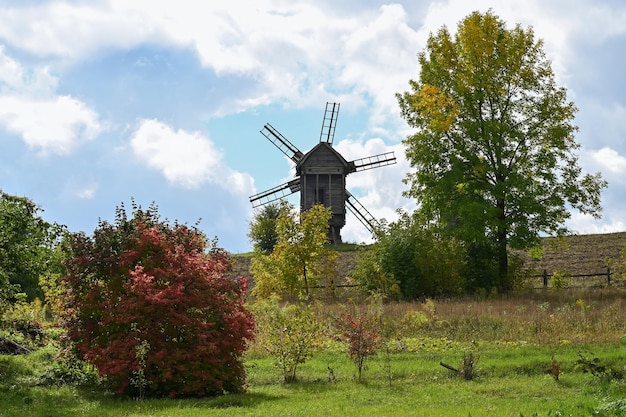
point(411, 261)
point(290, 334)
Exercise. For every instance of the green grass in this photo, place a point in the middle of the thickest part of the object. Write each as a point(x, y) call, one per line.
point(515, 338)
point(513, 380)
point(346, 247)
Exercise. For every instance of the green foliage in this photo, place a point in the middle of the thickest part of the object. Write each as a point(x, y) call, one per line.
point(559, 280)
point(369, 275)
point(151, 307)
point(413, 320)
point(67, 369)
point(301, 258)
point(481, 266)
point(51, 280)
point(494, 153)
point(263, 233)
point(468, 369)
point(23, 323)
point(291, 334)
point(598, 368)
point(28, 248)
point(411, 260)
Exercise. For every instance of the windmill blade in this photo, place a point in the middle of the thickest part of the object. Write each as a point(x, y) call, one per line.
point(380, 160)
point(329, 123)
point(276, 193)
point(360, 212)
point(281, 142)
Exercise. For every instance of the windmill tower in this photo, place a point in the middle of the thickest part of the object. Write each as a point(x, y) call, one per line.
point(321, 176)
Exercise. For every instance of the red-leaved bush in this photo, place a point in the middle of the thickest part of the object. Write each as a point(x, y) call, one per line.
point(361, 333)
point(150, 306)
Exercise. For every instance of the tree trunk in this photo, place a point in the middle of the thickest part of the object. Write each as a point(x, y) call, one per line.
point(306, 283)
point(503, 264)
point(502, 241)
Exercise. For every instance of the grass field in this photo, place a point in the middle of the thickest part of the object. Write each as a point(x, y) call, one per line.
point(511, 381)
point(522, 343)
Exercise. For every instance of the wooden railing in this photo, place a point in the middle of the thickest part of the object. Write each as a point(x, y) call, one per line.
point(606, 275)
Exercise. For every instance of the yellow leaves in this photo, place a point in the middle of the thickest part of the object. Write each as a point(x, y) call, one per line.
point(439, 110)
point(300, 258)
point(479, 35)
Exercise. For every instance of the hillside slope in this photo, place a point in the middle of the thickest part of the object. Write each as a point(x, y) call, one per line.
point(346, 263)
point(579, 254)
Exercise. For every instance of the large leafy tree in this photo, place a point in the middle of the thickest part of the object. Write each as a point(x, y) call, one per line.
point(300, 258)
point(494, 152)
point(28, 247)
point(151, 307)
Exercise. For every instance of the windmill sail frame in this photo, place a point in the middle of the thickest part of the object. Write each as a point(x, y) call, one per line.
point(321, 176)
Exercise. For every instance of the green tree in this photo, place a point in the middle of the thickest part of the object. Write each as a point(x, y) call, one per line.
point(301, 258)
point(263, 233)
point(370, 276)
point(28, 247)
point(412, 260)
point(494, 152)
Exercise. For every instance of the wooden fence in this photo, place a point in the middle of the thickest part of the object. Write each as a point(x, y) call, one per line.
point(604, 278)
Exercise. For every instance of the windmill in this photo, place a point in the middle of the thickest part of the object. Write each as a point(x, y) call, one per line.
point(321, 176)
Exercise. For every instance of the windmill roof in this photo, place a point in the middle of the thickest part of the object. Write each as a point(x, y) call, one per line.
point(320, 147)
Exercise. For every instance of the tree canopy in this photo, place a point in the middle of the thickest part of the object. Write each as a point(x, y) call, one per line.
point(27, 247)
point(300, 258)
point(494, 154)
point(263, 233)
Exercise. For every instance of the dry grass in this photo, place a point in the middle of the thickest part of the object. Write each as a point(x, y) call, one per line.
point(580, 254)
point(548, 318)
point(543, 317)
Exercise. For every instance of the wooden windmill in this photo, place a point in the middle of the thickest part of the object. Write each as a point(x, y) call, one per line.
point(321, 176)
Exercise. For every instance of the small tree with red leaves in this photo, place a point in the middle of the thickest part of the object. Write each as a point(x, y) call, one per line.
point(362, 334)
point(150, 306)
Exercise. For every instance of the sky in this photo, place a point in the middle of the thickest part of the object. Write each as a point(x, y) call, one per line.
point(103, 102)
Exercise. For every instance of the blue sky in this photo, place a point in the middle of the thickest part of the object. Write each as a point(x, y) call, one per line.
point(160, 101)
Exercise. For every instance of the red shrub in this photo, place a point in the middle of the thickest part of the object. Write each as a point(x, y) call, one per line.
point(154, 312)
point(361, 333)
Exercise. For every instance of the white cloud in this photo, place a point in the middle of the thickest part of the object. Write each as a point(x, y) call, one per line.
point(188, 159)
point(305, 52)
point(86, 193)
point(74, 30)
point(29, 108)
point(297, 52)
point(586, 224)
point(14, 78)
point(54, 124)
point(610, 160)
